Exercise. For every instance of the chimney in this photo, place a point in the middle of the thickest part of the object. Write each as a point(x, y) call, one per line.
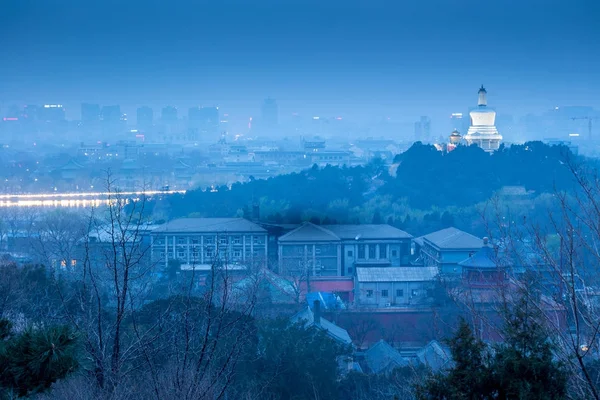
point(317, 312)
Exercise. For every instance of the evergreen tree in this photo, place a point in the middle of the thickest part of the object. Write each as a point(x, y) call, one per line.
point(377, 219)
point(447, 220)
point(524, 365)
point(31, 361)
point(469, 376)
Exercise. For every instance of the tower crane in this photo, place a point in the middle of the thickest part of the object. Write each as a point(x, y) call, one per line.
point(589, 120)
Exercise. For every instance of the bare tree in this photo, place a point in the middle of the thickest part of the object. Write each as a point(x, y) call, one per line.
point(560, 259)
point(184, 344)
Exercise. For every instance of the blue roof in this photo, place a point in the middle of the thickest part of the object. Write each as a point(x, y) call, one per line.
point(484, 258)
point(382, 357)
point(306, 317)
point(329, 301)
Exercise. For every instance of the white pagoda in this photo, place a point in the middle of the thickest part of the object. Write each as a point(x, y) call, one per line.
point(482, 131)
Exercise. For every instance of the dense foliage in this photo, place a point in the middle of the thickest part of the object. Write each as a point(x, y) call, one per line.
point(521, 367)
point(32, 360)
point(445, 186)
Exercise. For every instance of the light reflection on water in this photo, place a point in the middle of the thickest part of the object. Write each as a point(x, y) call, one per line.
point(72, 203)
point(73, 200)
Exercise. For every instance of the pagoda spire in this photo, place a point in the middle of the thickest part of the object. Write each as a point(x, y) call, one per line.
point(482, 96)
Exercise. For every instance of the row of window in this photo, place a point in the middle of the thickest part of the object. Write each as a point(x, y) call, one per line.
point(399, 293)
point(208, 254)
point(213, 240)
point(372, 250)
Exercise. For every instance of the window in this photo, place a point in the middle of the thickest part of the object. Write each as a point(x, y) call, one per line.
point(162, 253)
point(350, 270)
point(160, 240)
point(209, 254)
point(414, 293)
point(195, 241)
point(350, 253)
point(180, 254)
point(237, 253)
point(317, 250)
point(256, 239)
point(209, 239)
point(73, 262)
point(223, 240)
point(369, 293)
point(361, 251)
point(372, 252)
point(237, 240)
point(384, 293)
point(181, 240)
point(383, 251)
point(399, 293)
point(394, 253)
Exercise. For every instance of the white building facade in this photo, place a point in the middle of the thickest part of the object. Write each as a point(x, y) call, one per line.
point(483, 131)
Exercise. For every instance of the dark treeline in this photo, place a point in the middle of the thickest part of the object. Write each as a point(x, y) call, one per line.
point(424, 190)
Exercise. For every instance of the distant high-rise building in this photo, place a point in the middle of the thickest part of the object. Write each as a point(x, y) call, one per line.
point(51, 113)
point(90, 113)
point(112, 120)
point(270, 113)
point(169, 115)
point(423, 129)
point(111, 113)
point(145, 118)
point(204, 119)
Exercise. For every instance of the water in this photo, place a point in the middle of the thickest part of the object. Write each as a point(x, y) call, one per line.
point(74, 200)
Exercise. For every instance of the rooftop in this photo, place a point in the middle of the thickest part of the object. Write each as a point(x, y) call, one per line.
point(367, 231)
point(334, 331)
point(309, 232)
point(451, 239)
point(396, 274)
point(209, 225)
point(381, 357)
point(484, 258)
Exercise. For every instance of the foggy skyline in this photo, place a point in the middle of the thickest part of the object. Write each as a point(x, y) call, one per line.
point(365, 61)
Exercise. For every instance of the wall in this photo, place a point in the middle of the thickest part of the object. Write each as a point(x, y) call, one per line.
point(398, 293)
point(206, 247)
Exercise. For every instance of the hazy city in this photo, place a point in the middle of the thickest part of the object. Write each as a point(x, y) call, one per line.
point(299, 200)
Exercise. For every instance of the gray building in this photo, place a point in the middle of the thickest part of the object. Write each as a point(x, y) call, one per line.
point(446, 248)
point(199, 242)
point(336, 250)
point(395, 286)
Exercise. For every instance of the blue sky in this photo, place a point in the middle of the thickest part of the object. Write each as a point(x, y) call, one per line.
point(353, 58)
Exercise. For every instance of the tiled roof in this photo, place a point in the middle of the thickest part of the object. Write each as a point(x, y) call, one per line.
point(367, 231)
point(484, 258)
point(309, 232)
point(451, 238)
point(396, 274)
point(434, 356)
point(209, 225)
point(382, 357)
point(307, 317)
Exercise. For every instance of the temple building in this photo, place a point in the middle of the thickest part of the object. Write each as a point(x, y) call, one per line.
point(482, 131)
point(455, 140)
